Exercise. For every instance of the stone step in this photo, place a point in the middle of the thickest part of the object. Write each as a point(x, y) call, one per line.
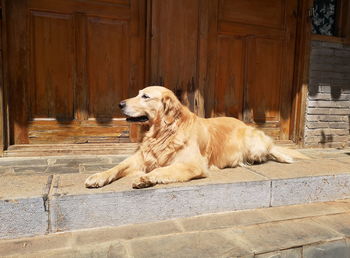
point(47, 202)
point(309, 230)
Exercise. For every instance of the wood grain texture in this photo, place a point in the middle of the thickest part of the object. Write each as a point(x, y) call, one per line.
point(77, 132)
point(52, 65)
point(71, 61)
point(17, 68)
point(107, 66)
point(174, 46)
point(253, 74)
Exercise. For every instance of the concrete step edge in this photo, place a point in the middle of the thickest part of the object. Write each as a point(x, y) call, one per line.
point(329, 232)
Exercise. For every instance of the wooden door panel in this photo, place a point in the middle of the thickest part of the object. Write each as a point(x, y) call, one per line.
point(115, 9)
point(174, 43)
point(107, 59)
point(264, 63)
point(71, 62)
point(264, 80)
point(52, 65)
point(269, 13)
point(230, 75)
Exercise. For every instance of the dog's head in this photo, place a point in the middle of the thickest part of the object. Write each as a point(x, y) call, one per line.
point(151, 104)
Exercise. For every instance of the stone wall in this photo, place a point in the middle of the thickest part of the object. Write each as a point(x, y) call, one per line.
point(328, 100)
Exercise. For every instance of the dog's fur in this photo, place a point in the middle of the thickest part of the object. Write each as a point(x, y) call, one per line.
point(181, 146)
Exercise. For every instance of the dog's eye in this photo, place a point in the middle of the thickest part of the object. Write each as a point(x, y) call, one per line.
point(145, 96)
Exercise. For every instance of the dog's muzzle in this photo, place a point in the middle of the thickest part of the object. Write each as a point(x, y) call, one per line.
point(129, 118)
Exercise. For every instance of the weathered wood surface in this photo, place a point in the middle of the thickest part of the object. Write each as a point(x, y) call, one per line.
point(233, 58)
point(30, 150)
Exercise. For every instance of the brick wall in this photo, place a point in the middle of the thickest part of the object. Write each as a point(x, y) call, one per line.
point(328, 101)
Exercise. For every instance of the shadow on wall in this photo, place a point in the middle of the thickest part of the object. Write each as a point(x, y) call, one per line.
point(325, 139)
point(335, 90)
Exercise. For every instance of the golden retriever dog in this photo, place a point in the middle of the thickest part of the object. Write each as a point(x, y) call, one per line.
point(180, 146)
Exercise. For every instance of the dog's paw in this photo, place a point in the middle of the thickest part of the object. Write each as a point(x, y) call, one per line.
point(96, 180)
point(142, 182)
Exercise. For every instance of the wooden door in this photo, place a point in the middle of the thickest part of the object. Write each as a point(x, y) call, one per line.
point(252, 44)
point(173, 58)
point(70, 63)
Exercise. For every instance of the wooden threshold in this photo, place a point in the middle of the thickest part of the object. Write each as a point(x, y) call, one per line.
point(37, 150)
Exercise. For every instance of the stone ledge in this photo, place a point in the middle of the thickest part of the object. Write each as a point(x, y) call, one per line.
point(309, 230)
point(70, 206)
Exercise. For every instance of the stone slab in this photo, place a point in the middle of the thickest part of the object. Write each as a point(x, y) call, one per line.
point(289, 253)
point(305, 168)
point(16, 187)
point(332, 249)
point(22, 209)
point(23, 162)
point(224, 220)
point(23, 217)
point(326, 153)
point(73, 184)
point(94, 168)
point(258, 216)
point(310, 189)
point(303, 211)
point(268, 237)
point(197, 244)
point(313, 236)
point(337, 222)
point(56, 169)
point(110, 206)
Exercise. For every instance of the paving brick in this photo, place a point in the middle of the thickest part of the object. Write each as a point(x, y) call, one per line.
point(274, 236)
point(302, 169)
point(115, 249)
point(26, 246)
point(62, 169)
point(6, 170)
point(101, 235)
point(199, 244)
point(333, 249)
point(304, 211)
point(22, 162)
point(224, 220)
point(96, 167)
point(337, 222)
point(290, 253)
point(117, 159)
point(37, 169)
point(76, 161)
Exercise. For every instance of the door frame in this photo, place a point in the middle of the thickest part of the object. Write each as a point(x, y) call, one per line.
point(209, 9)
point(301, 72)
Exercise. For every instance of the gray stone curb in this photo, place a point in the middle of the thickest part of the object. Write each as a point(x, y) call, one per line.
point(57, 211)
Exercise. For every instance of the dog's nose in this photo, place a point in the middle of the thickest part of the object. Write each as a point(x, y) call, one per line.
point(122, 104)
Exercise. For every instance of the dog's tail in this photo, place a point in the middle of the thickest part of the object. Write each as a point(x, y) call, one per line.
point(285, 155)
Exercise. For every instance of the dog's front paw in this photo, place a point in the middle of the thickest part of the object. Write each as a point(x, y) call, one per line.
point(96, 180)
point(142, 182)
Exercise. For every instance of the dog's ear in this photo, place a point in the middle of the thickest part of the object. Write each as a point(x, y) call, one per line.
point(171, 107)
